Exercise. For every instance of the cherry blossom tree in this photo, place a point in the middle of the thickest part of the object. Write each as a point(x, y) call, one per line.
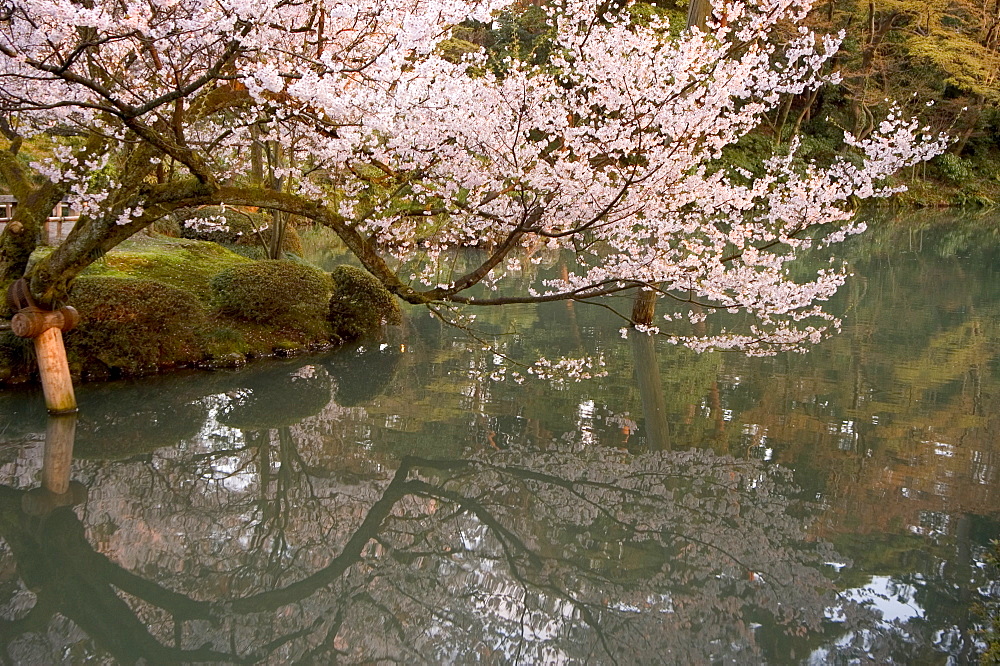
point(609, 148)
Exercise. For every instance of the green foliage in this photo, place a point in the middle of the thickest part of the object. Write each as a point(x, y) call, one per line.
point(360, 305)
point(132, 326)
point(278, 293)
point(454, 49)
point(643, 12)
point(953, 168)
point(522, 33)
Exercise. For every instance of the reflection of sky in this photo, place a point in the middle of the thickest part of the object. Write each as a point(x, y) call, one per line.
point(232, 471)
point(894, 601)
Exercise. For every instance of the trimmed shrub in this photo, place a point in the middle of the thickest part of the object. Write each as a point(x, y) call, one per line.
point(132, 326)
point(360, 304)
point(953, 168)
point(278, 293)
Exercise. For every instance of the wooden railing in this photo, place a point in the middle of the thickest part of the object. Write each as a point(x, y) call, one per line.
point(58, 225)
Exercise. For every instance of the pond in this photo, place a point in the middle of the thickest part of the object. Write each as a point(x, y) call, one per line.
point(394, 502)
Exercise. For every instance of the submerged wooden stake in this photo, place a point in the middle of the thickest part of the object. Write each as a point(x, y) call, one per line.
point(45, 327)
point(58, 456)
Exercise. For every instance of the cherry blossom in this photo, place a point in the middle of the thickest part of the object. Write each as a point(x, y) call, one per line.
point(611, 149)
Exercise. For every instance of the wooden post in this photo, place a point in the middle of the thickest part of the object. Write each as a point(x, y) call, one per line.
point(45, 327)
point(58, 457)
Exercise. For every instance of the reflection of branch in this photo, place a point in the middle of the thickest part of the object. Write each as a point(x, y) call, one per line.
point(512, 545)
point(54, 557)
point(349, 555)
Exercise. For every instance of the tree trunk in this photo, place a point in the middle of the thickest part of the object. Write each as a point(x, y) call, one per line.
point(20, 238)
point(698, 14)
point(644, 307)
point(278, 218)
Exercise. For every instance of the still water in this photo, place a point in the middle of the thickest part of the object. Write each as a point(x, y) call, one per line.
point(391, 502)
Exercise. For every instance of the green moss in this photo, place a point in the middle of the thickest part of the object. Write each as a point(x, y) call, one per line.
point(186, 264)
point(133, 326)
point(360, 304)
point(225, 342)
point(278, 293)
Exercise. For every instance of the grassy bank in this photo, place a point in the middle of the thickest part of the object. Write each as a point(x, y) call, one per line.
point(157, 303)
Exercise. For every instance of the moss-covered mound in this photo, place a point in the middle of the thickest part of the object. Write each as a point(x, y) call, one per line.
point(279, 293)
point(360, 304)
point(186, 264)
point(158, 303)
point(133, 326)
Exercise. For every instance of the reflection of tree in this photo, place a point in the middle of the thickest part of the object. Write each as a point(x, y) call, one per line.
point(56, 561)
point(895, 424)
point(533, 556)
point(650, 383)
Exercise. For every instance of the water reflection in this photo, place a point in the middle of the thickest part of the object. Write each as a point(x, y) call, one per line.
point(624, 557)
point(390, 503)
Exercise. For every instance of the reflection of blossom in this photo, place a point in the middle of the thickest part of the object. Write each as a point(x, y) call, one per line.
point(543, 556)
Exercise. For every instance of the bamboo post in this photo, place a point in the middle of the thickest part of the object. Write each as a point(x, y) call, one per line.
point(45, 328)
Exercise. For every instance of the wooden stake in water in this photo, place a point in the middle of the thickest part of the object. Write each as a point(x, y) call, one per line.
point(45, 327)
point(58, 457)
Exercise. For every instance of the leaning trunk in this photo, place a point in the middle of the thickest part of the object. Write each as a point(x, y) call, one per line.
point(20, 238)
point(698, 14)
